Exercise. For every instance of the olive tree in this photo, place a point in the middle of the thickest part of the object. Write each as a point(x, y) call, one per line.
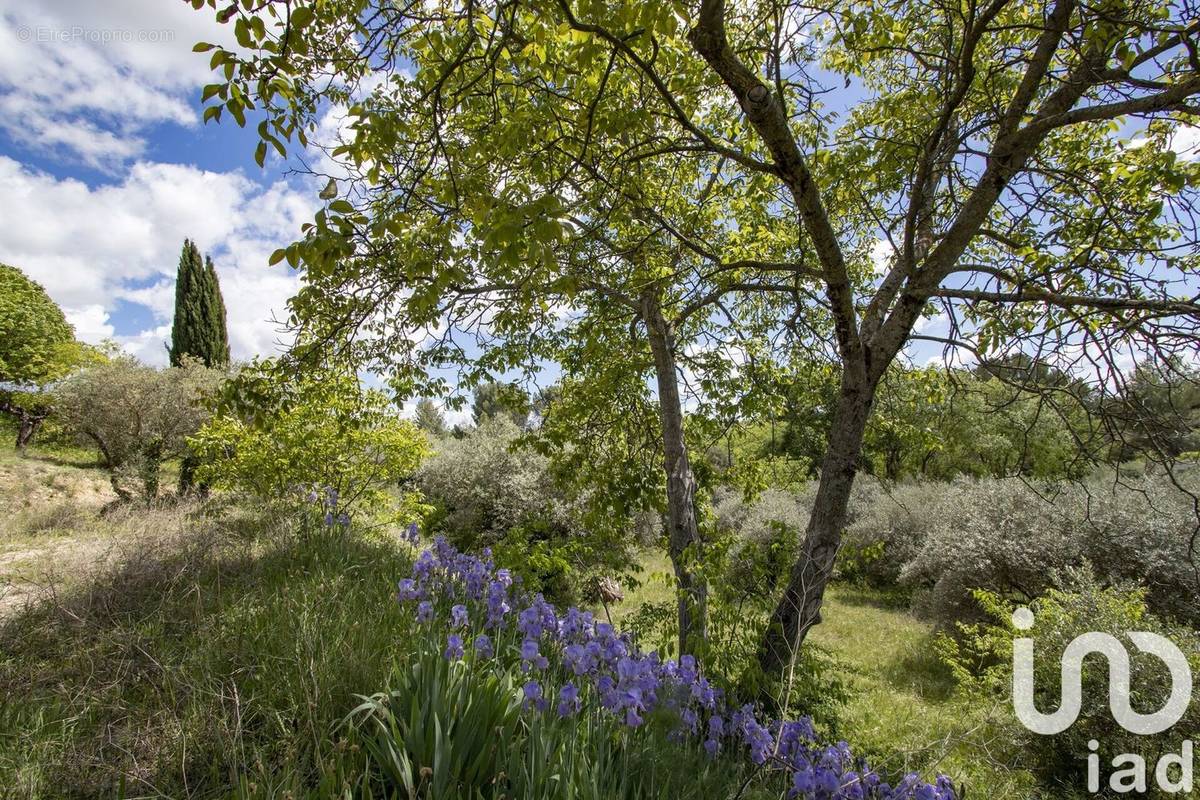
point(137, 416)
point(979, 152)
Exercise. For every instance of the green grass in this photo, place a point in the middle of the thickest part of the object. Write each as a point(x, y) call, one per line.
point(219, 667)
point(902, 711)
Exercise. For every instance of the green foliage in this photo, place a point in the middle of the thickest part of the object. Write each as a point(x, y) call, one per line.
point(981, 658)
point(458, 730)
point(38, 349)
point(490, 490)
point(938, 424)
point(199, 328)
point(38, 345)
point(137, 416)
point(1158, 412)
point(692, 157)
point(441, 730)
point(315, 436)
point(750, 548)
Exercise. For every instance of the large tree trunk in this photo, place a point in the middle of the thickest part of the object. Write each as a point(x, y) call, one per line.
point(799, 609)
point(28, 420)
point(28, 429)
point(683, 534)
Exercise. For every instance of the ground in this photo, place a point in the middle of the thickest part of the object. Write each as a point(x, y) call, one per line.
point(142, 635)
point(50, 528)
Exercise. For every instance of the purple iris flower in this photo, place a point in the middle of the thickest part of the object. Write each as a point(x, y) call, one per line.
point(454, 647)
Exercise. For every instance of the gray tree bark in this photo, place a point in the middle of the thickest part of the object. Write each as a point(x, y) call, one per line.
point(683, 533)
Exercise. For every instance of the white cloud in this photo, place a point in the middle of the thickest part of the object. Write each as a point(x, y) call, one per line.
point(90, 78)
point(91, 323)
point(92, 246)
point(881, 256)
point(930, 325)
point(1186, 141)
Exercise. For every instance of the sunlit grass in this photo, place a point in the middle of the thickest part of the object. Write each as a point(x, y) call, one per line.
point(902, 711)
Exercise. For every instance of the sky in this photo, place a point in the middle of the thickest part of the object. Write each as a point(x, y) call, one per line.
point(105, 168)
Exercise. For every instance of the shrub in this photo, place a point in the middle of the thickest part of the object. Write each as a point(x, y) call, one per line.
point(490, 491)
point(317, 438)
point(136, 416)
point(484, 487)
point(1009, 537)
point(981, 658)
point(886, 528)
point(762, 517)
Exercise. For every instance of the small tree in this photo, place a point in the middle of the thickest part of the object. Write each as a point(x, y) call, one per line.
point(199, 330)
point(500, 399)
point(137, 416)
point(37, 348)
point(428, 418)
point(318, 435)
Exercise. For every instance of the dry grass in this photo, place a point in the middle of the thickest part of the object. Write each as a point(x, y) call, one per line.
point(59, 528)
point(197, 654)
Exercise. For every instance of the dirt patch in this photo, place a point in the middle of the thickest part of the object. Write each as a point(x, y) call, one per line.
point(53, 536)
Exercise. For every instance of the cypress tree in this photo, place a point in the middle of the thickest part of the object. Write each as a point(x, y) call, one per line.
point(199, 328)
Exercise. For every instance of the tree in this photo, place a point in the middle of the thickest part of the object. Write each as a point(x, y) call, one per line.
point(316, 435)
point(37, 348)
point(428, 418)
point(938, 423)
point(199, 329)
point(137, 416)
point(1157, 412)
point(493, 399)
point(981, 154)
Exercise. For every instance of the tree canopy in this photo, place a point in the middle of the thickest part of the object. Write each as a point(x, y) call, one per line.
point(813, 178)
point(38, 344)
point(38, 347)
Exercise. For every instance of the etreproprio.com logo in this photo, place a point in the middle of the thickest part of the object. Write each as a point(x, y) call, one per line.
point(1173, 772)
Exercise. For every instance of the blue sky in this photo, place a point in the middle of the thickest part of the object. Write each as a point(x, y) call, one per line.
point(105, 167)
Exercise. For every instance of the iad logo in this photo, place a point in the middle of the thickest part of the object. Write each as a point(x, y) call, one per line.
point(1133, 777)
point(1118, 680)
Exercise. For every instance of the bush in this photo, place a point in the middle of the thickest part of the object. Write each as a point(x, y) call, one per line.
point(315, 439)
point(490, 491)
point(981, 658)
point(762, 517)
point(887, 529)
point(484, 487)
point(939, 541)
point(1009, 537)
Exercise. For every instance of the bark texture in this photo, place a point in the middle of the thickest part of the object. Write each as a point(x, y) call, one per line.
point(683, 533)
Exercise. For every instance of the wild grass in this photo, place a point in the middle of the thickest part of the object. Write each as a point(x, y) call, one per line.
point(199, 652)
point(902, 713)
point(217, 664)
